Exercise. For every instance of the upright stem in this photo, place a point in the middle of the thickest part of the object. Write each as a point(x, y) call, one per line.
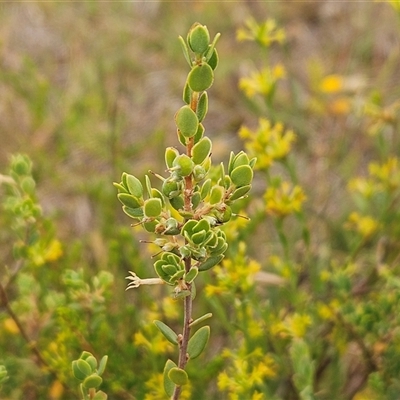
point(188, 302)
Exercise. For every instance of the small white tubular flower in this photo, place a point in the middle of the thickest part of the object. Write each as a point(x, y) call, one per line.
point(136, 281)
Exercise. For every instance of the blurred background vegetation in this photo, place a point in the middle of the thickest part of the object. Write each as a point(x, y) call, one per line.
point(89, 90)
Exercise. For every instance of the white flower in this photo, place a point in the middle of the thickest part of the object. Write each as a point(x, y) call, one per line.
point(136, 281)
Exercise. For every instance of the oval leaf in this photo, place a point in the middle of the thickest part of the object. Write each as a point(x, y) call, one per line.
point(210, 262)
point(78, 374)
point(169, 334)
point(102, 365)
point(187, 122)
point(242, 175)
point(200, 78)
point(169, 386)
point(92, 381)
point(134, 186)
point(201, 150)
point(84, 367)
point(198, 342)
point(128, 200)
point(202, 106)
point(199, 38)
point(152, 207)
point(178, 376)
point(100, 395)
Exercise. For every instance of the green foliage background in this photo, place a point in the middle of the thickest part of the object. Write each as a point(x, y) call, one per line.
point(306, 305)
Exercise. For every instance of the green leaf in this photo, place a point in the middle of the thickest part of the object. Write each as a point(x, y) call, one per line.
point(201, 77)
point(211, 48)
point(134, 186)
point(81, 369)
point(205, 189)
point(169, 334)
point(133, 212)
point(200, 319)
point(198, 38)
point(216, 195)
point(198, 342)
point(92, 381)
point(202, 106)
point(199, 134)
point(214, 60)
point(240, 192)
point(152, 207)
point(185, 50)
point(129, 200)
point(92, 362)
point(196, 199)
point(210, 262)
point(148, 184)
point(201, 150)
point(102, 365)
point(150, 226)
point(240, 159)
point(169, 386)
point(100, 395)
point(191, 275)
point(178, 376)
point(170, 154)
point(77, 372)
point(120, 187)
point(187, 122)
point(242, 175)
point(177, 203)
point(187, 94)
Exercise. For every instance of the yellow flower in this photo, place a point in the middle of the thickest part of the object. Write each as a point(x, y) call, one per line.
point(340, 106)
point(284, 200)
point(363, 186)
point(387, 174)
point(10, 326)
point(235, 274)
point(262, 82)
point(331, 84)
point(246, 371)
point(56, 390)
point(265, 33)
point(324, 311)
point(155, 389)
point(157, 345)
point(268, 142)
point(170, 309)
point(366, 226)
point(54, 251)
point(297, 324)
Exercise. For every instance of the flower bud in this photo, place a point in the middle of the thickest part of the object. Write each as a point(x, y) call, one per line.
point(199, 173)
point(183, 165)
point(171, 188)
